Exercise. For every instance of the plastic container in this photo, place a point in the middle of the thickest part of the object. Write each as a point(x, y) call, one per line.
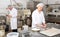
point(13, 34)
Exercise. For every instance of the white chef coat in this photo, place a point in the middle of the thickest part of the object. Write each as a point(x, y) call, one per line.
point(13, 20)
point(37, 18)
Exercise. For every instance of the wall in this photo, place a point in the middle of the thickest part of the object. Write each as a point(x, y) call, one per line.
point(5, 3)
point(51, 1)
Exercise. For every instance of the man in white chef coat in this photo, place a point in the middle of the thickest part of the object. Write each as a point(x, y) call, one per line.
point(38, 20)
point(13, 18)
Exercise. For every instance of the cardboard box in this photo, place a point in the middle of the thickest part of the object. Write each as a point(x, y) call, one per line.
point(2, 33)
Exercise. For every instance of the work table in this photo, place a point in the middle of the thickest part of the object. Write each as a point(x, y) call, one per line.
point(52, 32)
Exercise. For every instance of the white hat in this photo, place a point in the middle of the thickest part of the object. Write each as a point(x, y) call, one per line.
point(40, 4)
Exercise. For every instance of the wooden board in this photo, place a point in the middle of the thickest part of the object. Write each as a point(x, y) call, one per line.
point(51, 32)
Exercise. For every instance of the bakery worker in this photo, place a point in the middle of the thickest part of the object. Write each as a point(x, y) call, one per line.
point(13, 18)
point(38, 20)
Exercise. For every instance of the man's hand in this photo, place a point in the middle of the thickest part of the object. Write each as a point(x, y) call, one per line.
point(9, 16)
point(44, 25)
point(41, 26)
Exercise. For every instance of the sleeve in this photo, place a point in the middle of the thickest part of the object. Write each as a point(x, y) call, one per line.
point(9, 12)
point(43, 21)
point(34, 18)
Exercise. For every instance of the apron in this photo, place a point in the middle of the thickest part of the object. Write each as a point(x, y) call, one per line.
point(13, 23)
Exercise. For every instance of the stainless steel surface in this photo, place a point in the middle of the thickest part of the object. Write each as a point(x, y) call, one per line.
point(31, 33)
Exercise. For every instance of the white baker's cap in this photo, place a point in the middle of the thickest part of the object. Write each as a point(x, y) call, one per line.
point(40, 4)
